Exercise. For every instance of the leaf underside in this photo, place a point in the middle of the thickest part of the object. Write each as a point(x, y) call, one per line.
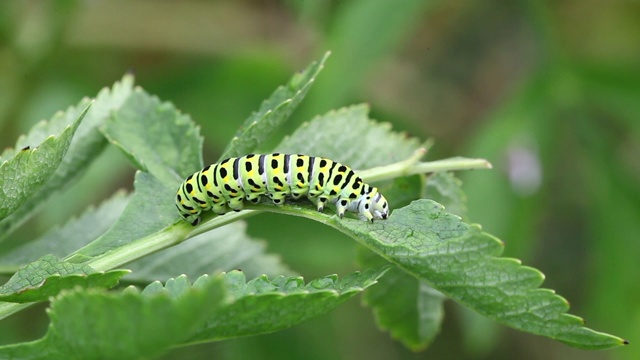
point(84, 148)
point(30, 168)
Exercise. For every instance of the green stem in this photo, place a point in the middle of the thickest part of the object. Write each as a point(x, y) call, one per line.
point(412, 166)
point(169, 236)
point(219, 220)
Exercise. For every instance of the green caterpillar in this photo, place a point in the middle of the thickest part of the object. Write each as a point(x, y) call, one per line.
point(225, 186)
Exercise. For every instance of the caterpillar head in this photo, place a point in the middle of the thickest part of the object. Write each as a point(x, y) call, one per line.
point(379, 206)
point(189, 210)
point(373, 206)
point(188, 213)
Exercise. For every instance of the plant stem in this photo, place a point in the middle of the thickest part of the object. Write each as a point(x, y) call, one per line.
point(412, 166)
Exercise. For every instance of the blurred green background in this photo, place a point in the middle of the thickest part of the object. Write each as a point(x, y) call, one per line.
point(549, 92)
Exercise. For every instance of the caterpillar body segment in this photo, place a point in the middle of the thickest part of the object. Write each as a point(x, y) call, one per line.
point(224, 186)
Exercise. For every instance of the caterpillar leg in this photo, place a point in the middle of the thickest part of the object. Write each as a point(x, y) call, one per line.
point(366, 216)
point(236, 203)
point(320, 203)
point(341, 207)
point(278, 198)
point(254, 198)
point(364, 211)
point(297, 195)
point(220, 208)
point(191, 219)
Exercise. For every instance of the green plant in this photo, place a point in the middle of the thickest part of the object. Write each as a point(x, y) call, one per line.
point(418, 257)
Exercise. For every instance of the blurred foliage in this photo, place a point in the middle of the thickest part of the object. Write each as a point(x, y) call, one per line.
point(546, 91)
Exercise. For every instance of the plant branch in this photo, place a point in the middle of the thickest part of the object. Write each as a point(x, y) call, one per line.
point(412, 166)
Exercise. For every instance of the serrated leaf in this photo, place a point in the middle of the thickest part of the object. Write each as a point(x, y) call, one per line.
point(478, 332)
point(86, 145)
point(49, 275)
point(156, 137)
point(145, 324)
point(29, 169)
point(150, 209)
point(129, 325)
point(273, 112)
point(463, 262)
point(348, 135)
point(262, 305)
point(88, 142)
point(73, 235)
point(410, 309)
point(223, 249)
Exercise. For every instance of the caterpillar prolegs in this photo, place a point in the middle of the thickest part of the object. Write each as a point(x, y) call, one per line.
point(225, 186)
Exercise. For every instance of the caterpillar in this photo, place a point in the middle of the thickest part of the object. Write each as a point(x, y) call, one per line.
point(224, 186)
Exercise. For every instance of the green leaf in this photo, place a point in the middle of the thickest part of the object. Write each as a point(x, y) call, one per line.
point(86, 145)
point(223, 249)
point(446, 189)
point(156, 137)
point(273, 112)
point(463, 262)
point(478, 332)
point(262, 305)
point(348, 135)
point(49, 275)
point(167, 146)
point(129, 325)
point(29, 169)
point(145, 324)
point(62, 241)
point(150, 209)
point(408, 308)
